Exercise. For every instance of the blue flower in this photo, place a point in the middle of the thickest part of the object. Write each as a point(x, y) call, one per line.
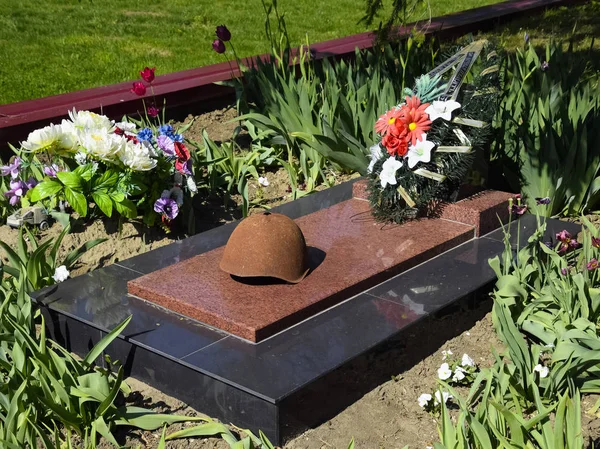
point(165, 130)
point(145, 134)
point(176, 137)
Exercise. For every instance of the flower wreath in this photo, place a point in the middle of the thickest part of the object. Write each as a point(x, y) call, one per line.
point(429, 142)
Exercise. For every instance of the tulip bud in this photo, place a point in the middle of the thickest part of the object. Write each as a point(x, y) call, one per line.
point(218, 45)
point(223, 33)
point(148, 74)
point(139, 88)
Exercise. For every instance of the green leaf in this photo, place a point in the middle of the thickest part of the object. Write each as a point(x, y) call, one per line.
point(103, 201)
point(145, 419)
point(71, 180)
point(126, 208)
point(108, 180)
point(77, 200)
point(107, 340)
point(45, 189)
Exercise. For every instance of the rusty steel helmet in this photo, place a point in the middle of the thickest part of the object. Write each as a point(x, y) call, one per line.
point(267, 245)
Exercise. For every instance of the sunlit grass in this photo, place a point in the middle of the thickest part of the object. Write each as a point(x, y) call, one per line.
point(50, 47)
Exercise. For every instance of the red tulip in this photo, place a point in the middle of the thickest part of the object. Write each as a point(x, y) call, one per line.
point(182, 152)
point(148, 74)
point(153, 111)
point(139, 88)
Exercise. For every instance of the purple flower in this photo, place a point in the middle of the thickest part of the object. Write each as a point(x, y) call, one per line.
point(51, 170)
point(219, 46)
point(567, 242)
point(592, 264)
point(544, 66)
point(11, 169)
point(596, 242)
point(166, 144)
point(31, 183)
point(223, 33)
point(518, 209)
point(564, 271)
point(542, 201)
point(17, 189)
point(526, 37)
point(167, 207)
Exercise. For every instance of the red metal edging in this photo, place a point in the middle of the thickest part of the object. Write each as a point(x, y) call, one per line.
point(196, 86)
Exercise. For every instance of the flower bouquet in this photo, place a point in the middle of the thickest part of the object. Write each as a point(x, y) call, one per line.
point(133, 168)
point(429, 142)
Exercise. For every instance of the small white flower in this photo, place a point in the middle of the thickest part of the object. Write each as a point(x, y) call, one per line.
point(376, 154)
point(543, 370)
point(442, 109)
point(421, 152)
point(126, 126)
point(445, 397)
point(81, 158)
point(459, 374)
point(61, 274)
point(444, 371)
point(263, 181)
point(445, 354)
point(388, 171)
point(424, 400)
point(549, 346)
point(191, 184)
point(467, 361)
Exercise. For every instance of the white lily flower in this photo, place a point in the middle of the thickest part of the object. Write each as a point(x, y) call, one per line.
point(388, 171)
point(444, 371)
point(421, 152)
point(445, 396)
point(424, 399)
point(263, 181)
point(442, 109)
point(61, 274)
point(376, 154)
point(467, 361)
point(543, 370)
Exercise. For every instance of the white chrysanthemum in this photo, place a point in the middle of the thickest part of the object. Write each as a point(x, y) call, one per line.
point(543, 370)
point(444, 396)
point(444, 371)
point(61, 274)
point(424, 400)
point(136, 157)
point(126, 126)
point(68, 140)
point(102, 144)
point(42, 139)
point(467, 361)
point(81, 158)
point(86, 120)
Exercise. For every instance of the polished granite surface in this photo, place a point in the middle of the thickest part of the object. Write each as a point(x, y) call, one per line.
point(350, 253)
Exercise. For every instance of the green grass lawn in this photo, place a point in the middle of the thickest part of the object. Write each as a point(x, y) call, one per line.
point(50, 47)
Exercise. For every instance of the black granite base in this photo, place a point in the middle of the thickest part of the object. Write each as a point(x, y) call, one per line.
point(249, 384)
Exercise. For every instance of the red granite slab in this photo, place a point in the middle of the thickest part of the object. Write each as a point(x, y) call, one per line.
point(359, 253)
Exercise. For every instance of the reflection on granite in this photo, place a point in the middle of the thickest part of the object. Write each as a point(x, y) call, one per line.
point(523, 228)
point(359, 253)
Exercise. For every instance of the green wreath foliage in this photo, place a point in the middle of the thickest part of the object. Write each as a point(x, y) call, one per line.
point(478, 96)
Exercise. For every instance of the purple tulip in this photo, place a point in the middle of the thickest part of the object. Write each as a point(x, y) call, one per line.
point(219, 46)
point(17, 189)
point(518, 209)
point(564, 271)
point(542, 201)
point(567, 242)
point(166, 144)
point(223, 33)
point(11, 169)
point(167, 207)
